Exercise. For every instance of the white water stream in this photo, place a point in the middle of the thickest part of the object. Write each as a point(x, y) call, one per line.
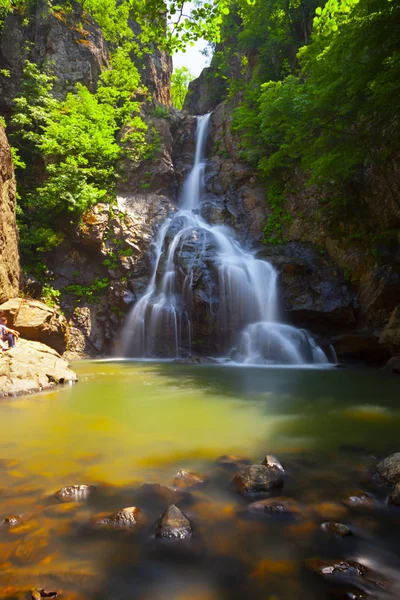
point(162, 322)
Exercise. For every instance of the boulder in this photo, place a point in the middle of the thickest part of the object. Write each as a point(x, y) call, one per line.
point(123, 519)
point(75, 493)
point(257, 479)
point(37, 321)
point(389, 469)
point(174, 524)
point(32, 367)
point(360, 346)
point(9, 258)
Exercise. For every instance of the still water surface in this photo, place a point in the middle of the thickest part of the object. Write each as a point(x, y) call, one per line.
point(126, 424)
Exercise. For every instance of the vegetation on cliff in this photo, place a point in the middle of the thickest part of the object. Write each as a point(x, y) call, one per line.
point(319, 90)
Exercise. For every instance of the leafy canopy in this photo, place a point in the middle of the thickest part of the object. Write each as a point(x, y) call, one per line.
point(179, 86)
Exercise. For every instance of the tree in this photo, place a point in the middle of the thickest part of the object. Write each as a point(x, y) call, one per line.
point(179, 86)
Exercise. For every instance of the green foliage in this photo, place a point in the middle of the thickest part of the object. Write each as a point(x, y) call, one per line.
point(91, 292)
point(160, 112)
point(179, 86)
point(71, 147)
point(50, 295)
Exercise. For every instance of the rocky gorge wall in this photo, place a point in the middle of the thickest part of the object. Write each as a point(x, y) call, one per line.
point(9, 258)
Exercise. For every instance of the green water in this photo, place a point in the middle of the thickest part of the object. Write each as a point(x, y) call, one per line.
point(126, 424)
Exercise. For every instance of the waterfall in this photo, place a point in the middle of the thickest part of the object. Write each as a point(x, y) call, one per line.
point(197, 263)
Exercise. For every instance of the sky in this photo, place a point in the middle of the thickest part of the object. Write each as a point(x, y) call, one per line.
point(192, 58)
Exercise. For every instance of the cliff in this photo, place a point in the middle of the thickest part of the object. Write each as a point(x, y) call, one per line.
point(9, 259)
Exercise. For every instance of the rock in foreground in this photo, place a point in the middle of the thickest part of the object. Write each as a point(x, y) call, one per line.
point(123, 519)
point(389, 469)
point(32, 367)
point(257, 479)
point(174, 524)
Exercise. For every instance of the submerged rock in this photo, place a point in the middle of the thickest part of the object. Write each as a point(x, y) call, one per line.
point(13, 521)
point(232, 462)
point(187, 479)
point(286, 507)
point(336, 567)
point(75, 493)
point(123, 519)
point(272, 462)
point(257, 479)
point(174, 524)
point(336, 528)
point(389, 469)
point(359, 499)
point(163, 494)
point(351, 593)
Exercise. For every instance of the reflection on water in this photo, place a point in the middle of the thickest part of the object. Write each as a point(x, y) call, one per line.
point(125, 424)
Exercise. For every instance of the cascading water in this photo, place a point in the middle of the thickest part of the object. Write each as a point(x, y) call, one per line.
point(243, 320)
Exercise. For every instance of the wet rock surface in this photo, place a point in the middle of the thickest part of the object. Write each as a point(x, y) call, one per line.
point(257, 479)
point(32, 367)
point(122, 519)
point(174, 524)
point(336, 528)
point(336, 567)
point(389, 469)
point(75, 493)
point(42, 593)
point(272, 462)
point(359, 499)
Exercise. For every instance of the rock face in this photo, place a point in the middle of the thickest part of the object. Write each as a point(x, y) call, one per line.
point(32, 367)
point(9, 261)
point(71, 42)
point(36, 321)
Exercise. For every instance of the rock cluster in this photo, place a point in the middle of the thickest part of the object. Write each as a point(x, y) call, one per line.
point(32, 367)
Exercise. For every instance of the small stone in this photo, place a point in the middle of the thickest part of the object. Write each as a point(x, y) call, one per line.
point(359, 499)
point(336, 528)
point(394, 497)
point(273, 463)
point(331, 567)
point(389, 469)
point(13, 521)
point(174, 524)
point(75, 493)
point(123, 519)
point(257, 479)
point(232, 462)
point(187, 479)
point(285, 507)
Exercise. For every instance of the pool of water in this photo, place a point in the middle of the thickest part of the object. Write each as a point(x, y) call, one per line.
point(126, 424)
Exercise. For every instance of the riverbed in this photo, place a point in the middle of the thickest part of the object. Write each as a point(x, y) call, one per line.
point(127, 424)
